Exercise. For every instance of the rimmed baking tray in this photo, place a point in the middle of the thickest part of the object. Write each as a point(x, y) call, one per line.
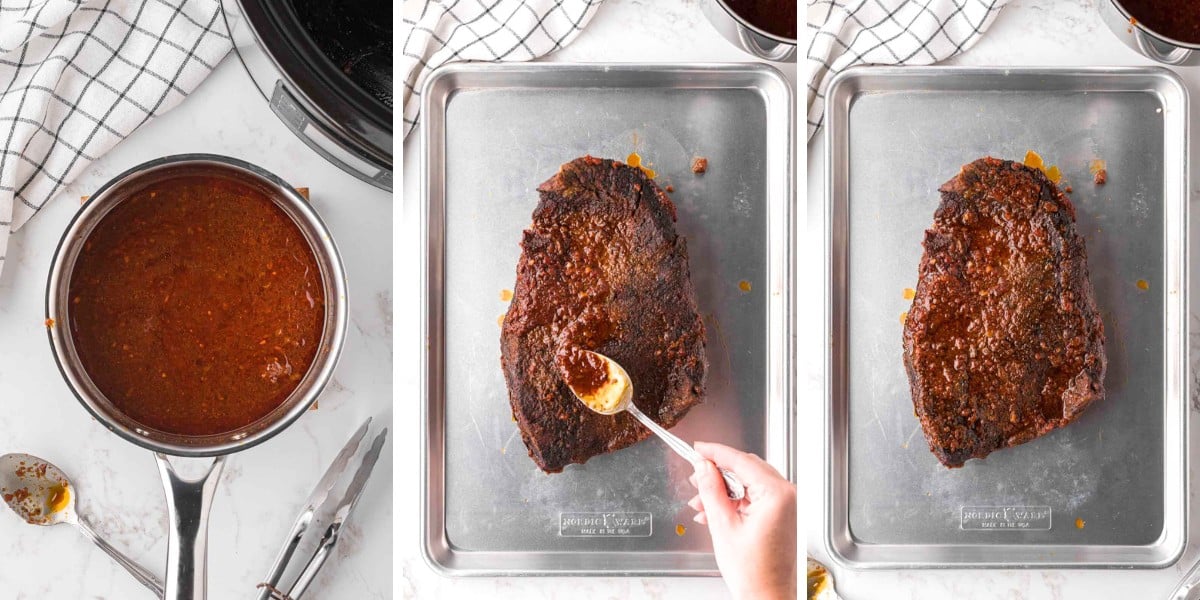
point(1110, 489)
point(491, 134)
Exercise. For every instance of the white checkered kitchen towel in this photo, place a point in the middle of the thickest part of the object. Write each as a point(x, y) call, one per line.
point(77, 77)
point(887, 32)
point(436, 32)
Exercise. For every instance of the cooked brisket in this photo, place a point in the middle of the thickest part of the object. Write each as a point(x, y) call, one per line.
point(601, 269)
point(1003, 342)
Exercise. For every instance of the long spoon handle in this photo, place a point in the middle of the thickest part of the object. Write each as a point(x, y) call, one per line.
point(146, 578)
point(733, 485)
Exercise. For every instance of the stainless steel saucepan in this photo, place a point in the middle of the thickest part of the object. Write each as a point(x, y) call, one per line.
point(1145, 41)
point(750, 38)
point(189, 500)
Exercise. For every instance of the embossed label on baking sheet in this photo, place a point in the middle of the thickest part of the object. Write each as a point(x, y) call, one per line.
point(1004, 518)
point(605, 524)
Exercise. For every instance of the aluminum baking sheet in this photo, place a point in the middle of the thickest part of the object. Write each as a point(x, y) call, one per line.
point(491, 134)
point(1109, 490)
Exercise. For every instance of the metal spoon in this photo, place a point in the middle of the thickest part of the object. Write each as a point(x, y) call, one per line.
point(820, 582)
point(615, 395)
point(40, 493)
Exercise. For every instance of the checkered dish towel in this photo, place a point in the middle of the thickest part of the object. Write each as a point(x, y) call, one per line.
point(77, 77)
point(887, 32)
point(442, 31)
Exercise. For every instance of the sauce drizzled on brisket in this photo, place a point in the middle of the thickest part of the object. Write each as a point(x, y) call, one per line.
point(1003, 342)
point(601, 269)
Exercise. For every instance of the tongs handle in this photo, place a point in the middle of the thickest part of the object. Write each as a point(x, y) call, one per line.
point(325, 546)
point(1188, 588)
point(266, 589)
point(316, 499)
point(316, 562)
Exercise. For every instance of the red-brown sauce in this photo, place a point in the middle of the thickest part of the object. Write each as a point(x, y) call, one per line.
point(1175, 19)
point(585, 373)
point(197, 305)
point(777, 17)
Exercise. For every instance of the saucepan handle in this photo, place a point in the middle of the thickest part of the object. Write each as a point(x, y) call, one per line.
point(188, 503)
point(764, 48)
point(1172, 55)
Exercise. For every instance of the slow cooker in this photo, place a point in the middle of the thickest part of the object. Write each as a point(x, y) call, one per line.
point(325, 68)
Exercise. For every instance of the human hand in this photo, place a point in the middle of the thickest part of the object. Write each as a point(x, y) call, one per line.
point(754, 539)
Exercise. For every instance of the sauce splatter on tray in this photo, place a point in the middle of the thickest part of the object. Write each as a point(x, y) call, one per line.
point(635, 160)
point(1034, 161)
point(1099, 171)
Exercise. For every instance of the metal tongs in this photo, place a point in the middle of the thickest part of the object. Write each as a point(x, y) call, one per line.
point(318, 500)
point(1189, 586)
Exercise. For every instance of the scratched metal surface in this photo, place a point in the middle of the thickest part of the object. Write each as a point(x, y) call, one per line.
point(501, 132)
point(897, 135)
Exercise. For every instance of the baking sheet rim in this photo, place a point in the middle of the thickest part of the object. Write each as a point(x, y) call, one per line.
point(436, 550)
point(837, 540)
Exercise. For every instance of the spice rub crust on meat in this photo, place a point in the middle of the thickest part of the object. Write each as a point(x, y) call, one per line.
point(1003, 342)
point(601, 269)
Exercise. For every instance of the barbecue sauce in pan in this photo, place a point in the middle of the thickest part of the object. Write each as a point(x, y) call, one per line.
point(777, 17)
point(196, 305)
point(1175, 19)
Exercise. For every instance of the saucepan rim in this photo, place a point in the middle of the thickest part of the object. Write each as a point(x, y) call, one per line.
point(320, 372)
point(756, 29)
point(1133, 22)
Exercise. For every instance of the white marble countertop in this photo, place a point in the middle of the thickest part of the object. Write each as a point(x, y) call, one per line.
point(1027, 33)
point(261, 489)
point(622, 31)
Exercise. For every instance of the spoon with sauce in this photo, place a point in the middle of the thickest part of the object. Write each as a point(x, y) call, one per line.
point(604, 387)
point(820, 582)
point(40, 493)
